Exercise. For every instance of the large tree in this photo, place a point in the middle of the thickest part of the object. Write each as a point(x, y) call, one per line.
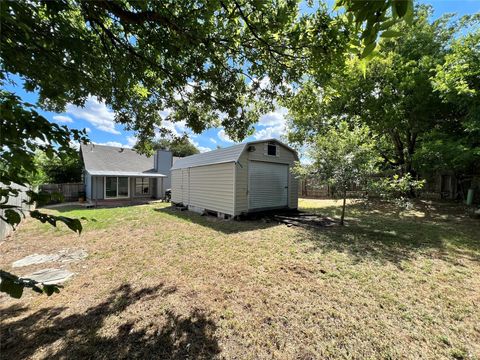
point(181, 146)
point(209, 62)
point(202, 60)
point(457, 81)
point(66, 168)
point(394, 95)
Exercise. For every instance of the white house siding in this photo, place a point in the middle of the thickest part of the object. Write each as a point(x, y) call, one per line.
point(176, 185)
point(284, 156)
point(212, 187)
point(88, 184)
point(97, 187)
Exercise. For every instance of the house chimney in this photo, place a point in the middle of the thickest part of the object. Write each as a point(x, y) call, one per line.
point(163, 162)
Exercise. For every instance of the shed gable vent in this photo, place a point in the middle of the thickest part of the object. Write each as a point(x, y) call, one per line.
point(272, 149)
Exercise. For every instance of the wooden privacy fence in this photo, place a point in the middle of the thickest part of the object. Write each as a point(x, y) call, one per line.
point(312, 188)
point(5, 228)
point(70, 192)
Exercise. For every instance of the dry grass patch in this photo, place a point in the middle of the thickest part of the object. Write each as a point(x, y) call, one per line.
point(160, 283)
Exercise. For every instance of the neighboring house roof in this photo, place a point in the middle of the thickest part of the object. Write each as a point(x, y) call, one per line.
point(219, 156)
point(115, 161)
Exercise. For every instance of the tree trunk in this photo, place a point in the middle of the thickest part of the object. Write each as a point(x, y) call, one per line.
point(411, 144)
point(343, 207)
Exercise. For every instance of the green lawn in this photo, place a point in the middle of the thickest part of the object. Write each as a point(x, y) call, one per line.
point(160, 283)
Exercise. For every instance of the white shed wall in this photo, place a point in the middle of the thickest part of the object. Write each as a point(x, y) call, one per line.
point(224, 187)
point(284, 156)
point(208, 187)
point(176, 185)
point(212, 187)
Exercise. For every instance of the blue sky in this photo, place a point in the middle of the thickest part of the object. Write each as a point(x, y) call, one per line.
point(98, 119)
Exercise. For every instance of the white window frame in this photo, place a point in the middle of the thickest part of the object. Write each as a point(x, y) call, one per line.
point(116, 197)
point(135, 187)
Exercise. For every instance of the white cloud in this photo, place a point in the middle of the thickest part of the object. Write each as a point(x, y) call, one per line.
point(272, 125)
point(40, 142)
point(224, 137)
point(176, 128)
point(164, 113)
point(87, 129)
point(269, 132)
point(131, 141)
point(199, 147)
point(96, 113)
point(203, 149)
point(112, 143)
point(75, 145)
point(275, 118)
point(213, 140)
point(63, 119)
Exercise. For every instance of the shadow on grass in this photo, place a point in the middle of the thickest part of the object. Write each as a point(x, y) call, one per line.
point(67, 207)
point(78, 336)
point(224, 226)
point(381, 234)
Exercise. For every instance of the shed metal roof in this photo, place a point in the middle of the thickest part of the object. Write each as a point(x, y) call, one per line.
point(115, 161)
point(219, 156)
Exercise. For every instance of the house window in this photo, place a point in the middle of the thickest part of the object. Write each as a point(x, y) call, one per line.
point(272, 150)
point(142, 186)
point(116, 187)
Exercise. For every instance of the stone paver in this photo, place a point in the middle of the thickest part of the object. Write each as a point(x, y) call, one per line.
point(61, 256)
point(50, 276)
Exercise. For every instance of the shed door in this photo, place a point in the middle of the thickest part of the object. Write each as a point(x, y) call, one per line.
point(186, 186)
point(267, 185)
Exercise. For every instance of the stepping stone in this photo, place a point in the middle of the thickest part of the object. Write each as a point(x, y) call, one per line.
point(67, 255)
point(50, 276)
point(35, 259)
point(61, 256)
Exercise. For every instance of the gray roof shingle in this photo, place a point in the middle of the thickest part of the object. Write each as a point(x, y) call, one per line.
point(111, 160)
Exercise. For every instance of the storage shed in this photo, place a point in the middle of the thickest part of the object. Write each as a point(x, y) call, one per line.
point(239, 179)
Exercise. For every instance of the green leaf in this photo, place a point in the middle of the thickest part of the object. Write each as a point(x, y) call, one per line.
point(387, 24)
point(73, 224)
point(409, 15)
point(13, 217)
point(50, 289)
point(367, 50)
point(401, 7)
point(363, 67)
point(11, 287)
point(390, 34)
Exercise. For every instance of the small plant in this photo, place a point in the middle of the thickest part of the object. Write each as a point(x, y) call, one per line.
point(342, 157)
point(398, 189)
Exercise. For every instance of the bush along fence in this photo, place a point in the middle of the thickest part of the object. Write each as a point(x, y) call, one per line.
point(436, 187)
point(19, 201)
point(69, 192)
point(312, 188)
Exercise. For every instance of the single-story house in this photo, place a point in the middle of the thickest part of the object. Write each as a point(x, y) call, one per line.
point(239, 179)
point(121, 174)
